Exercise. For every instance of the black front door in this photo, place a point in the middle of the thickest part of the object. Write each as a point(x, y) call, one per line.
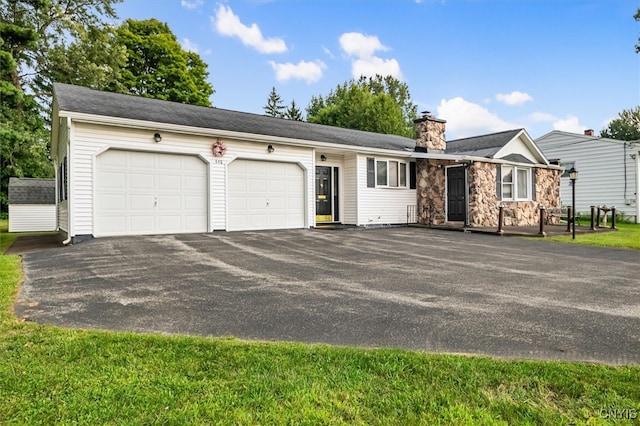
point(323, 194)
point(456, 195)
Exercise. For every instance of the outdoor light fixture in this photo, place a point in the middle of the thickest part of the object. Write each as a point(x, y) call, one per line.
point(323, 157)
point(573, 176)
point(270, 148)
point(157, 137)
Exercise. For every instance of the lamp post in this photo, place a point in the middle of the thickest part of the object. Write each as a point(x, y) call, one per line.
point(573, 176)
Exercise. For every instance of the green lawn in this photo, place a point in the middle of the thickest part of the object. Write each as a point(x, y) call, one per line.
point(627, 236)
point(50, 375)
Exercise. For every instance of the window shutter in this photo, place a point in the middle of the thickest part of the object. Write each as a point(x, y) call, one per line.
point(371, 172)
point(533, 184)
point(412, 175)
point(499, 182)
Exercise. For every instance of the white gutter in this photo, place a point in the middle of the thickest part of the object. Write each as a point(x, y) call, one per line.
point(227, 134)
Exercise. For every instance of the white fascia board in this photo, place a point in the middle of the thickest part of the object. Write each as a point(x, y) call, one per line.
point(202, 131)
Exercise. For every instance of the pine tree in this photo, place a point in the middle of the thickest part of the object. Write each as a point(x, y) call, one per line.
point(293, 112)
point(274, 106)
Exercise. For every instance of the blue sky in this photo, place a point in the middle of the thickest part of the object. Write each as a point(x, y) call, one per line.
point(482, 65)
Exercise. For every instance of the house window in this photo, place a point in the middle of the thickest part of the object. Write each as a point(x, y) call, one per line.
point(388, 173)
point(568, 165)
point(371, 172)
point(381, 173)
point(516, 183)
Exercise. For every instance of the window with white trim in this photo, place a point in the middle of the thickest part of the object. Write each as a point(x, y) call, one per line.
point(516, 183)
point(568, 165)
point(388, 173)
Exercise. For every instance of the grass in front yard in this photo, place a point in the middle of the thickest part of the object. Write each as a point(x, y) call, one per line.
point(627, 236)
point(50, 375)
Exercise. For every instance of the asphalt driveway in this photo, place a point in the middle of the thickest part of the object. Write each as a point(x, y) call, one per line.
point(412, 288)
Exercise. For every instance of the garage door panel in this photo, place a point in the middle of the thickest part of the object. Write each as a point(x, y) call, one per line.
point(260, 194)
point(111, 180)
point(141, 202)
point(148, 193)
point(141, 182)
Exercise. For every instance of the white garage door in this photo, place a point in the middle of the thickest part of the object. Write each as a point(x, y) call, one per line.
point(149, 193)
point(265, 195)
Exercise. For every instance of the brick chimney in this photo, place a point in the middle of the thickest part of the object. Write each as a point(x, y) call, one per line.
point(430, 133)
point(588, 132)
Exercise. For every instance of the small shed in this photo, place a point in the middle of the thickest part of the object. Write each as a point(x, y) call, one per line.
point(32, 205)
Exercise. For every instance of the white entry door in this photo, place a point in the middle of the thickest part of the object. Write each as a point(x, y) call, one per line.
point(265, 195)
point(140, 193)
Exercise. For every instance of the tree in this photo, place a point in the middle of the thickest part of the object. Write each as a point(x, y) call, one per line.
point(637, 18)
point(93, 59)
point(23, 139)
point(274, 106)
point(293, 112)
point(376, 104)
point(626, 127)
point(53, 22)
point(157, 67)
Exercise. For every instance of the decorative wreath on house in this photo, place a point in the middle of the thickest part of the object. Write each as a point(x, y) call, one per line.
point(219, 148)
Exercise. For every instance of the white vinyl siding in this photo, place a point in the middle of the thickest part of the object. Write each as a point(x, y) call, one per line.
point(381, 206)
point(62, 206)
point(350, 192)
point(601, 165)
point(32, 217)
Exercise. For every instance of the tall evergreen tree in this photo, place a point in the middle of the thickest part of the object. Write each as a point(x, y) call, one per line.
point(274, 106)
point(293, 112)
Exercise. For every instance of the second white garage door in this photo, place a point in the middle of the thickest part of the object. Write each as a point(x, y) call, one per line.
point(265, 195)
point(150, 193)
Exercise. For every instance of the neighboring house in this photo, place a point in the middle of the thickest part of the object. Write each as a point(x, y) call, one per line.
point(608, 170)
point(130, 165)
point(32, 205)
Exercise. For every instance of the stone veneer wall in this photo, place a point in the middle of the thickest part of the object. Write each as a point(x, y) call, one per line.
point(431, 187)
point(430, 134)
point(483, 201)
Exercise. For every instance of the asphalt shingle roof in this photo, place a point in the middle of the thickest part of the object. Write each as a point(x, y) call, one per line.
point(84, 100)
point(481, 146)
point(32, 191)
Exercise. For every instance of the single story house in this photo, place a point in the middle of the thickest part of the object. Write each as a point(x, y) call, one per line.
point(129, 165)
point(608, 170)
point(32, 205)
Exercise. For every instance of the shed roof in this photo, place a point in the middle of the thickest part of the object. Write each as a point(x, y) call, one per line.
point(71, 98)
point(32, 191)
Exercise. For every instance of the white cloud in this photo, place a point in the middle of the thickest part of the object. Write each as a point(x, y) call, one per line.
point(369, 67)
point(466, 118)
point(360, 45)
point(193, 4)
point(188, 46)
point(328, 52)
point(362, 49)
point(514, 98)
point(303, 70)
point(228, 24)
point(569, 124)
